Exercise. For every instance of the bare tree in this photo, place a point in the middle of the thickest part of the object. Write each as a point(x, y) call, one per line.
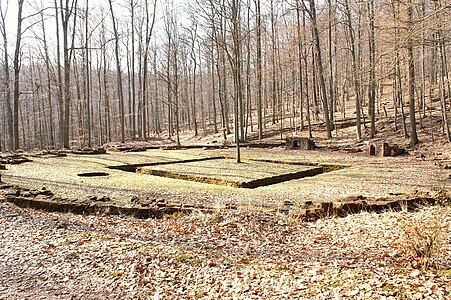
point(88, 75)
point(49, 81)
point(150, 22)
point(259, 69)
point(355, 67)
point(372, 77)
point(410, 58)
point(319, 65)
point(192, 32)
point(16, 67)
point(120, 93)
point(66, 10)
point(7, 84)
point(300, 62)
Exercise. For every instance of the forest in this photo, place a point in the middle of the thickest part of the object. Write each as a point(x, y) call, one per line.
point(121, 174)
point(77, 73)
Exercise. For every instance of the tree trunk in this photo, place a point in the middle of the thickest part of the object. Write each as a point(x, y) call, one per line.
point(9, 110)
point(259, 70)
point(16, 66)
point(319, 64)
point(88, 83)
point(119, 73)
point(331, 21)
point(372, 77)
point(273, 66)
point(213, 88)
point(49, 84)
point(355, 68)
point(413, 125)
point(300, 70)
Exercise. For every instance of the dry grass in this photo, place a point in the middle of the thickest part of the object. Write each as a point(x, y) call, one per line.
point(423, 236)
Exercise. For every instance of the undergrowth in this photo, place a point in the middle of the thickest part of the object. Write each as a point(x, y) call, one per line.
point(423, 236)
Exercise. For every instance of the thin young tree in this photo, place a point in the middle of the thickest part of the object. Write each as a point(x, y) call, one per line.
point(259, 69)
point(88, 76)
point(120, 93)
point(150, 22)
point(192, 32)
point(48, 68)
point(411, 77)
point(67, 9)
point(331, 21)
point(235, 61)
point(372, 77)
point(300, 63)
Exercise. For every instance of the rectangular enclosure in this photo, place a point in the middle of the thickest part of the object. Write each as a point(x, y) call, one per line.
point(221, 171)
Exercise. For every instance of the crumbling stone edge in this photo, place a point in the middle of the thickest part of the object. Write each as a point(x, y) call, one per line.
point(310, 211)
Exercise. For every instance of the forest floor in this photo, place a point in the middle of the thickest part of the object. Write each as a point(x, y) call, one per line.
point(224, 255)
point(259, 249)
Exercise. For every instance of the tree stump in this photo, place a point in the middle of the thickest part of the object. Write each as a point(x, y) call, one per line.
point(297, 142)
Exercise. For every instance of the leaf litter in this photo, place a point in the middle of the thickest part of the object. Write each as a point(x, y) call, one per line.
point(223, 255)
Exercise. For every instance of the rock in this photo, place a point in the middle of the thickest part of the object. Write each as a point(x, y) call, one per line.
point(99, 199)
point(88, 151)
point(14, 159)
point(297, 142)
point(392, 150)
point(386, 150)
point(104, 199)
point(396, 150)
point(13, 193)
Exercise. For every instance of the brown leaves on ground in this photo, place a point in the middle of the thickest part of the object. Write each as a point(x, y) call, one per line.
point(226, 255)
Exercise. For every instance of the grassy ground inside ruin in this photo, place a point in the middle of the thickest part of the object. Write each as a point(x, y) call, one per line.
point(229, 172)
